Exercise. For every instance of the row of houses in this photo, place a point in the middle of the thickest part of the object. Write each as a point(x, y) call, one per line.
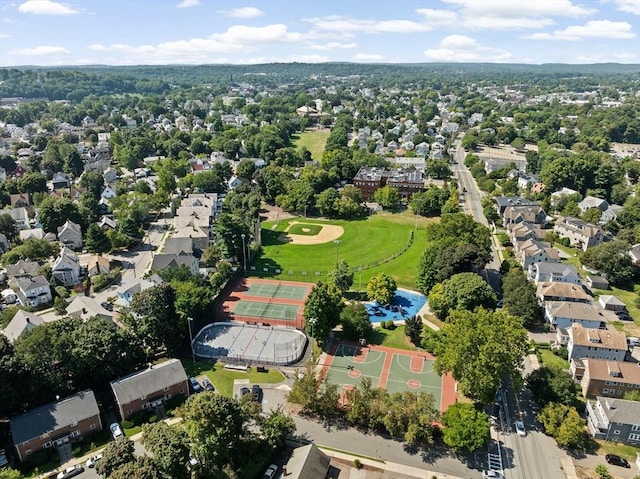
point(599, 355)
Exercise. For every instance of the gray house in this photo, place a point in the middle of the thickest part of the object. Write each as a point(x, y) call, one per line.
point(614, 419)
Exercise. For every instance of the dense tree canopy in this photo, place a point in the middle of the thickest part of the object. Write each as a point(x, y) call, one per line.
point(463, 291)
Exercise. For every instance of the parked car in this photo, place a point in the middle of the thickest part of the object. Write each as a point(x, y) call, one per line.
point(195, 385)
point(70, 472)
point(270, 472)
point(116, 431)
point(623, 315)
point(520, 428)
point(491, 474)
point(3, 458)
point(207, 385)
point(256, 391)
point(106, 305)
point(91, 462)
point(633, 341)
point(617, 460)
point(244, 391)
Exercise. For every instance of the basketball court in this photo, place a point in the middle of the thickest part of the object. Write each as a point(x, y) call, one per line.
point(395, 370)
point(266, 302)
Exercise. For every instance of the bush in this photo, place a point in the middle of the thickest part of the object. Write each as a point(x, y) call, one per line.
point(357, 464)
point(566, 242)
point(153, 418)
point(140, 417)
point(41, 457)
point(76, 450)
point(127, 424)
point(390, 325)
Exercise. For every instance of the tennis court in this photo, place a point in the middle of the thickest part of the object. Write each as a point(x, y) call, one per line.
point(279, 290)
point(287, 312)
point(395, 370)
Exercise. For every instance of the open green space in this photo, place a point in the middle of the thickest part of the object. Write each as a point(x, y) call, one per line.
point(392, 338)
point(368, 243)
point(624, 450)
point(313, 140)
point(222, 379)
point(546, 357)
point(305, 229)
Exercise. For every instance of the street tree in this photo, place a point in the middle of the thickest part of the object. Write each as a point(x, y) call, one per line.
point(13, 377)
point(33, 249)
point(549, 384)
point(96, 240)
point(276, 427)
point(93, 182)
point(341, 276)
point(142, 467)
point(463, 228)
point(8, 473)
point(479, 349)
point(169, 448)
point(463, 291)
point(117, 454)
point(54, 212)
point(466, 428)
point(322, 309)
point(33, 183)
point(430, 201)
point(381, 288)
point(304, 389)
point(564, 424)
point(519, 298)
point(355, 321)
point(438, 169)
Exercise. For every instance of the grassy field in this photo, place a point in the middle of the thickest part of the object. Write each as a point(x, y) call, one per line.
point(314, 140)
point(222, 379)
point(547, 358)
point(365, 243)
point(392, 338)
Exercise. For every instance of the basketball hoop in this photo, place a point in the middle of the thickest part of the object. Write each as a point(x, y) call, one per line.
point(363, 342)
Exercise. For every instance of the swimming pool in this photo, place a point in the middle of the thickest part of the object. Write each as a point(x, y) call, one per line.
point(404, 304)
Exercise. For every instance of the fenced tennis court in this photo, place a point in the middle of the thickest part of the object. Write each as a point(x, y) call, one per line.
point(266, 302)
point(249, 344)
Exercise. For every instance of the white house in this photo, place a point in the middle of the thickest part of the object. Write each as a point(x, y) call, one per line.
point(70, 235)
point(66, 268)
point(564, 314)
point(33, 291)
point(554, 273)
point(606, 344)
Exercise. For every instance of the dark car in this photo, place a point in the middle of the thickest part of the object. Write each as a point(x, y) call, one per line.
point(106, 305)
point(624, 315)
point(244, 391)
point(616, 460)
point(256, 391)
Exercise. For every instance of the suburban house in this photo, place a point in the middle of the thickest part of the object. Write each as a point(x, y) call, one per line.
point(371, 179)
point(9, 296)
point(611, 303)
point(614, 419)
point(179, 245)
point(98, 265)
point(561, 292)
point(22, 268)
point(19, 200)
point(597, 282)
point(600, 377)
point(197, 236)
point(107, 223)
point(307, 462)
point(126, 292)
point(85, 307)
point(596, 343)
point(580, 233)
point(563, 314)
point(108, 193)
point(150, 387)
point(554, 273)
point(32, 233)
point(110, 175)
point(163, 261)
point(52, 424)
point(533, 214)
point(533, 251)
point(556, 196)
point(502, 202)
point(70, 235)
point(66, 268)
point(32, 290)
point(21, 322)
point(592, 202)
point(524, 231)
point(60, 180)
point(610, 214)
point(21, 216)
point(634, 252)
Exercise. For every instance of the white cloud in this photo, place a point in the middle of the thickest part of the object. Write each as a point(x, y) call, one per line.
point(4, 35)
point(188, 3)
point(368, 57)
point(593, 29)
point(98, 47)
point(347, 25)
point(460, 48)
point(46, 7)
point(243, 12)
point(39, 50)
point(631, 6)
point(333, 46)
point(243, 35)
point(441, 17)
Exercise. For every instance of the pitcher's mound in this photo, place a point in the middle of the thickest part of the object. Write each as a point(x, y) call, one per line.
point(327, 233)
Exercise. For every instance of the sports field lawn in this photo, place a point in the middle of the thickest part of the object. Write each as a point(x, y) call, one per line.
point(222, 379)
point(364, 243)
point(314, 140)
point(306, 229)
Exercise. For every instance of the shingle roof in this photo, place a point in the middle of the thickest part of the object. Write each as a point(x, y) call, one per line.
point(148, 381)
point(599, 338)
point(54, 416)
point(571, 310)
point(308, 462)
point(621, 411)
point(600, 369)
point(22, 321)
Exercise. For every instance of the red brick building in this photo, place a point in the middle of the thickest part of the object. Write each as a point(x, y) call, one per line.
point(370, 179)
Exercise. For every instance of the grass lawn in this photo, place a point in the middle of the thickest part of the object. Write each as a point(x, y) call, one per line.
point(314, 140)
point(222, 379)
point(364, 243)
point(307, 229)
point(392, 338)
point(628, 452)
point(549, 359)
point(573, 259)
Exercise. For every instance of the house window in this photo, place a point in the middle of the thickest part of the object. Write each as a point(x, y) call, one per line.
point(93, 426)
point(165, 389)
point(45, 435)
point(28, 452)
point(606, 391)
point(634, 437)
point(635, 427)
point(47, 444)
point(142, 398)
point(75, 434)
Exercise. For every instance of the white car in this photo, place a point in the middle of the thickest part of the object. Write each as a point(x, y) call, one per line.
point(270, 472)
point(91, 462)
point(491, 474)
point(520, 428)
point(116, 431)
point(70, 472)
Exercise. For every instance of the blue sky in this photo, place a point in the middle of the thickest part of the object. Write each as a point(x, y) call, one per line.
point(133, 32)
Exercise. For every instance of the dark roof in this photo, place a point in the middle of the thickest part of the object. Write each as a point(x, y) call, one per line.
point(178, 245)
point(620, 411)
point(148, 381)
point(308, 462)
point(54, 416)
point(504, 201)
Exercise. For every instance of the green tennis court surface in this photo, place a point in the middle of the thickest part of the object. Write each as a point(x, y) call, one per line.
point(276, 291)
point(286, 312)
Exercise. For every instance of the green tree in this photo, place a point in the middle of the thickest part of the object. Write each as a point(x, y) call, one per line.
point(8, 473)
point(92, 181)
point(611, 259)
point(32, 183)
point(140, 468)
point(632, 395)
point(33, 249)
point(355, 321)
point(276, 427)
point(96, 240)
point(466, 428)
point(304, 390)
point(548, 384)
point(8, 226)
point(430, 201)
point(413, 329)
point(463, 291)
point(54, 212)
point(603, 472)
point(479, 349)
point(381, 288)
point(322, 309)
point(438, 169)
point(341, 276)
point(169, 448)
point(519, 298)
point(564, 424)
point(115, 455)
point(387, 196)
point(245, 169)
